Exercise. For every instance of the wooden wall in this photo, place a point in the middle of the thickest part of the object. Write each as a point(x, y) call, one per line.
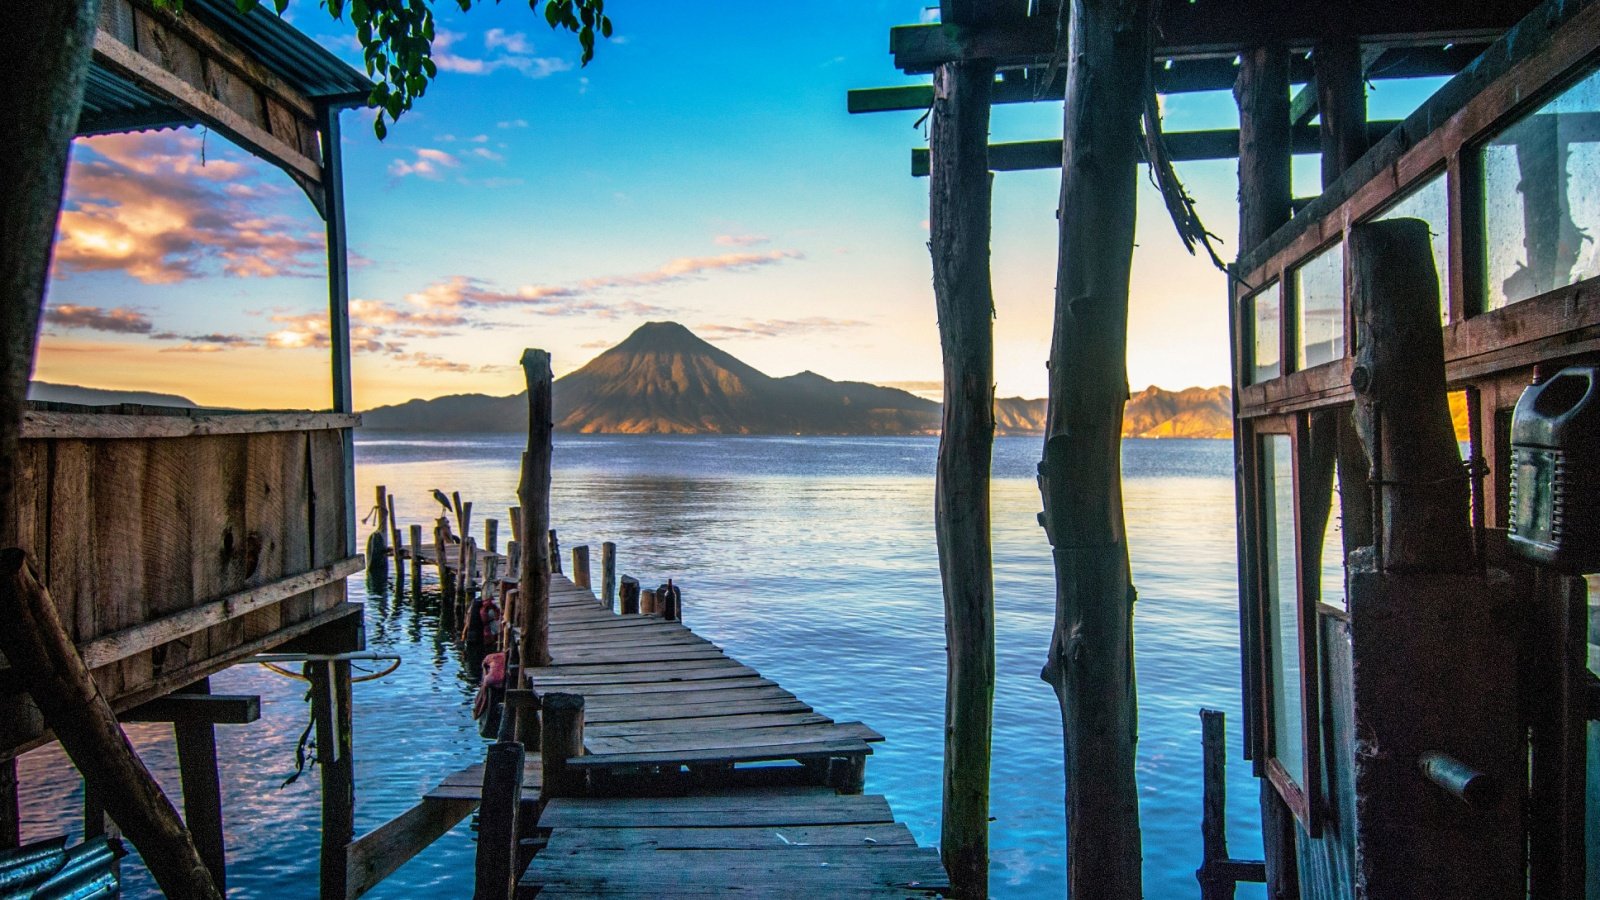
point(171, 556)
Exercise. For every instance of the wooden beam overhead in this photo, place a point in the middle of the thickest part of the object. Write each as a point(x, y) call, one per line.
point(1211, 28)
point(1185, 146)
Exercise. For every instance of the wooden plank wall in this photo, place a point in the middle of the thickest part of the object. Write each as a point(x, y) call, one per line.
point(125, 532)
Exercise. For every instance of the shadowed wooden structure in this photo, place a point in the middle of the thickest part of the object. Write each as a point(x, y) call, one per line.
point(1334, 398)
point(170, 544)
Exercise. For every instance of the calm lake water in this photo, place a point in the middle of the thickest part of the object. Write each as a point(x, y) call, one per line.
point(811, 559)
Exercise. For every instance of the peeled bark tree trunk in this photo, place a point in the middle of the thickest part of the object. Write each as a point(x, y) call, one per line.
point(48, 45)
point(1090, 665)
point(959, 219)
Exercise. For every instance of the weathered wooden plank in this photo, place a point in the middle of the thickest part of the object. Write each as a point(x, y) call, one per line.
point(568, 840)
point(122, 644)
point(581, 683)
point(697, 725)
point(713, 691)
point(649, 712)
point(732, 738)
point(726, 810)
point(210, 709)
point(722, 755)
point(102, 426)
point(69, 549)
point(376, 855)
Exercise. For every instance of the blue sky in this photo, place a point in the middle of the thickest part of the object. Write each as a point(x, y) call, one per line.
point(701, 169)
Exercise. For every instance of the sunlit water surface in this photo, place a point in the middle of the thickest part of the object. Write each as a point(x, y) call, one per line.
point(811, 559)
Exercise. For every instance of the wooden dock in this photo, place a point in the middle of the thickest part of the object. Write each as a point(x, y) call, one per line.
point(667, 712)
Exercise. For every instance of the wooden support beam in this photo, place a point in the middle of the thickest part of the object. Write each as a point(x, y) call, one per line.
point(198, 708)
point(1220, 29)
point(496, 872)
point(196, 741)
point(376, 855)
point(608, 574)
point(331, 713)
point(36, 644)
point(1342, 104)
point(1213, 805)
point(560, 740)
point(959, 217)
point(533, 495)
point(1184, 146)
point(1090, 661)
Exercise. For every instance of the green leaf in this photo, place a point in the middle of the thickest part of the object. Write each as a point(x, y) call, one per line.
point(381, 129)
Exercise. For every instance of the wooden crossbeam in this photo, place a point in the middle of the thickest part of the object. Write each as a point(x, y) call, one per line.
point(1184, 146)
point(210, 709)
point(1224, 28)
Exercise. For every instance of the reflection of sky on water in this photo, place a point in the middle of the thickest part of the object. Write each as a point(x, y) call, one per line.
point(813, 560)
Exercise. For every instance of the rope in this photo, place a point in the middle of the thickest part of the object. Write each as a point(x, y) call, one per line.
point(374, 676)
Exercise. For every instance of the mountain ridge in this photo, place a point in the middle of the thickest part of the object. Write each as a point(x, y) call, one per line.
point(664, 379)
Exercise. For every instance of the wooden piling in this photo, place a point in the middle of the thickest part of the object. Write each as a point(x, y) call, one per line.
point(331, 713)
point(491, 535)
point(555, 552)
point(608, 574)
point(516, 523)
point(10, 811)
point(496, 876)
point(1090, 664)
point(628, 596)
point(561, 738)
point(196, 742)
point(647, 603)
point(580, 567)
point(534, 497)
point(447, 582)
point(394, 531)
point(959, 217)
point(47, 665)
point(522, 710)
point(416, 561)
point(1213, 806)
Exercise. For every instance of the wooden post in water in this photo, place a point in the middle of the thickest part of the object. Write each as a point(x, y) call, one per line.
point(378, 541)
point(416, 561)
point(608, 574)
point(647, 603)
point(561, 738)
point(447, 582)
point(394, 531)
point(491, 535)
point(196, 743)
point(331, 713)
point(466, 556)
point(48, 666)
point(959, 214)
point(628, 596)
point(1090, 664)
point(555, 552)
point(1214, 806)
point(580, 567)
point(516, 524)
point(534, 497)
point(496, 875)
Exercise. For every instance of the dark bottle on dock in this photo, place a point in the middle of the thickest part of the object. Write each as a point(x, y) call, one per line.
point(1555, 471)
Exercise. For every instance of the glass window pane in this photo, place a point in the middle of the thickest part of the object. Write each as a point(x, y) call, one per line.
point(1541, 194)
point(1282, 603)
point(1319, 308)
point(1266, 313)
point(1331, 586)
point(1429, 202)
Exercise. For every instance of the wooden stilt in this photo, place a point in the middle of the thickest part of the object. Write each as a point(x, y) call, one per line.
point(330, 708)
point(202, 787)
point(534, 497)
point(608, 574)
point(491, 535)
point(1090, 663)
point(44, 660)
point(1341, 104)
point(497, 822)
point(555, 552)
point(416, 562)
point(959, 220)
point(580, 566)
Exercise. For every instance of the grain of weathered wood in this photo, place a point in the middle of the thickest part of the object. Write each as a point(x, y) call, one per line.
point(377, 854)
point(533, 495)
point(695, 725)
point(722, 755)
point(733, 810)
point(104, 426)
point(645, 837)
point(707, 713)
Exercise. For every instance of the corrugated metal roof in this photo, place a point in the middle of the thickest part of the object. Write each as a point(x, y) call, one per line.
point(111, 103)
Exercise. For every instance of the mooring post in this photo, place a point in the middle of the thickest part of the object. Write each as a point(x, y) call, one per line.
point(533, 495)
point(628, 596)
point(416, 561)
point(561, 738)
point(555, 553)
point(608, 574)
point(394, 531)
point(516, 524)
point(496, 876)
point(647, 602)
point(491, 535)
point(580, 566)
point(447, 582)
point(196, 742)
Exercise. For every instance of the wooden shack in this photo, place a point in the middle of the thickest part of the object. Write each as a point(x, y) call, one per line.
point(178, 542)
point(1419, 702)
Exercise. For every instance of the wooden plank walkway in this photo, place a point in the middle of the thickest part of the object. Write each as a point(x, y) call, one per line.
point(658, 698)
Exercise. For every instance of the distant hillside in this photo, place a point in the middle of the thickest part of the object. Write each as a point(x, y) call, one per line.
point(46, 392)
point(665, 380)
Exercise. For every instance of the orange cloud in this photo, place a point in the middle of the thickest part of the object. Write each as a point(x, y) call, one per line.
point(151, 205)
